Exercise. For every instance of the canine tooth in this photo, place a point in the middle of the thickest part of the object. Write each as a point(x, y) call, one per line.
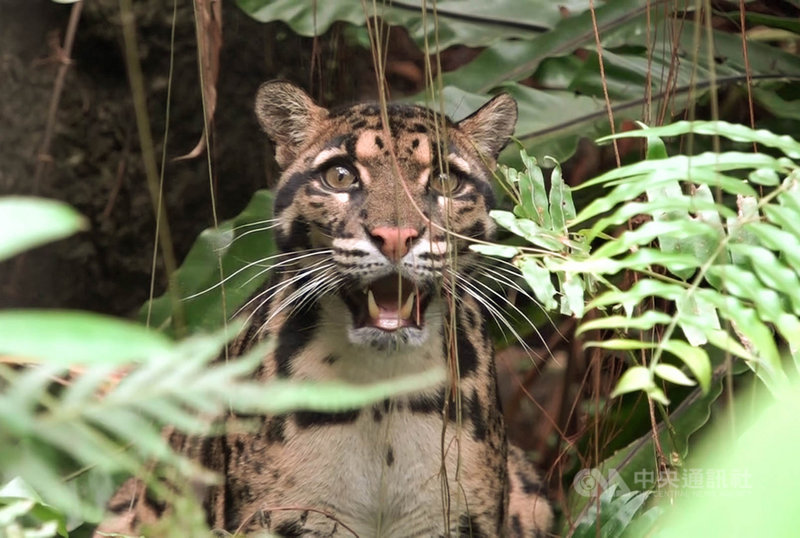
point(408, 307)
point(374, 311)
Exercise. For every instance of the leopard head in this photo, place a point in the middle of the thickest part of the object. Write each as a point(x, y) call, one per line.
point(376, 207)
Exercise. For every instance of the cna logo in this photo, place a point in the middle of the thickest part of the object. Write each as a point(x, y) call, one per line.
point(590, 482)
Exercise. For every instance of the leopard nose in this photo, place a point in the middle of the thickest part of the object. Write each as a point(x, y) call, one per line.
point(394, 242)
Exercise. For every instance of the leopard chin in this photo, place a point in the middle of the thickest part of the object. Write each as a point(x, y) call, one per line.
point(383, 340)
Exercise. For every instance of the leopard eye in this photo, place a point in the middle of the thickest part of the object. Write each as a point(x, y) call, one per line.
point(445, 184)
point(339, 178)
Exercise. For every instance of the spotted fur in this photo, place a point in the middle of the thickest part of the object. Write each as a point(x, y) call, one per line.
point(374, 203)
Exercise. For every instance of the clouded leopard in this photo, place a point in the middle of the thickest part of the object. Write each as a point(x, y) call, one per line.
point(375, 208)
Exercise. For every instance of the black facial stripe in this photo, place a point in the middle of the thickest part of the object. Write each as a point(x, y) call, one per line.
point(468, 526)
point(293, 336)
point(429, 256)
point(312, 190)
point(477, 230)
point(286, 194)
point(350, 146)
point(467, 355)
point(479, 427)
point(308, 419)
point(528, 485)
point(276, 429)
point(428, 405)
point(470, 197)
point(350, 252)
point(296, 238)
point(485, 188)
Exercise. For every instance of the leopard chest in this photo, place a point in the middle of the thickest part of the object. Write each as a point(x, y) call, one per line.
point(383, 470)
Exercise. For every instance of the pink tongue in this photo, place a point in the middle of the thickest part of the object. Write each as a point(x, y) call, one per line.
point(389, 318)
point(390, 295)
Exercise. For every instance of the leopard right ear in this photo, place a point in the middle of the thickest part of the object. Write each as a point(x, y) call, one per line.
point(288, 116)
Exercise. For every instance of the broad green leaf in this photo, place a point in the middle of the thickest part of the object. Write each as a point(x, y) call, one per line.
point(693, 306)
point(672, 374)
point(771, 271)
point(447, 23)
point(656, 149)
point(281, 396)
point(13, 510)
point(707, 246)
point(724, 341)
point(561, 207)
point(550, 122)
point(634, 378)
point(642, 259)
point(64, 338)
point(614, 514)
point(789, 327)
point(515, 60)
point(659, 205)
point(637, 460)
point(539, 280)
point(528, 229)
point(755, 476)
point(650, 231)
point(695, 358)
point(501, 251)
point(764, 176)
point(758, 337)
point(572, 301)
point(30, 222)
point(739, 230)
point(17, 490)
point(533, 197)
point(735, 132)
point(776, 105)
point(244, 246)
point(772, 21)
point(621, 344)
point(784, 217)
point(787, 244)
point(745, 284)
point(640, 291)
point(671, 244)
point(706, 167)
point(646, 321)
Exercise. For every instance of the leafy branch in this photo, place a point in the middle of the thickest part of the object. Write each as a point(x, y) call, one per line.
point(730, 276)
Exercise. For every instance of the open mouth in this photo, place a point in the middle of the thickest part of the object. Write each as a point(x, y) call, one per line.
point(389, 303)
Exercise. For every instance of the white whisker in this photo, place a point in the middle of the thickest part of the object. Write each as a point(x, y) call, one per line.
point(296, 256)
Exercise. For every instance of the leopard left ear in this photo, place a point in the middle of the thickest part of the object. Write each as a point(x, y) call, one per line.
point(288, 116)
point(491, 125)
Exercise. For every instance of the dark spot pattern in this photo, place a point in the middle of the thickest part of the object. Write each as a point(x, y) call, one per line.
point(468, 527)
point(276, 429)
point(310, 419)
point(479, 427)
point(516, 525)
point(293, 336)
point(289, 529)
point(296, 238)
point(287, 192)
point(529, 486)
point(467, 355)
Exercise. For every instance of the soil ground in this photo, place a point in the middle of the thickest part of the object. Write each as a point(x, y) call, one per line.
point(94, 161)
